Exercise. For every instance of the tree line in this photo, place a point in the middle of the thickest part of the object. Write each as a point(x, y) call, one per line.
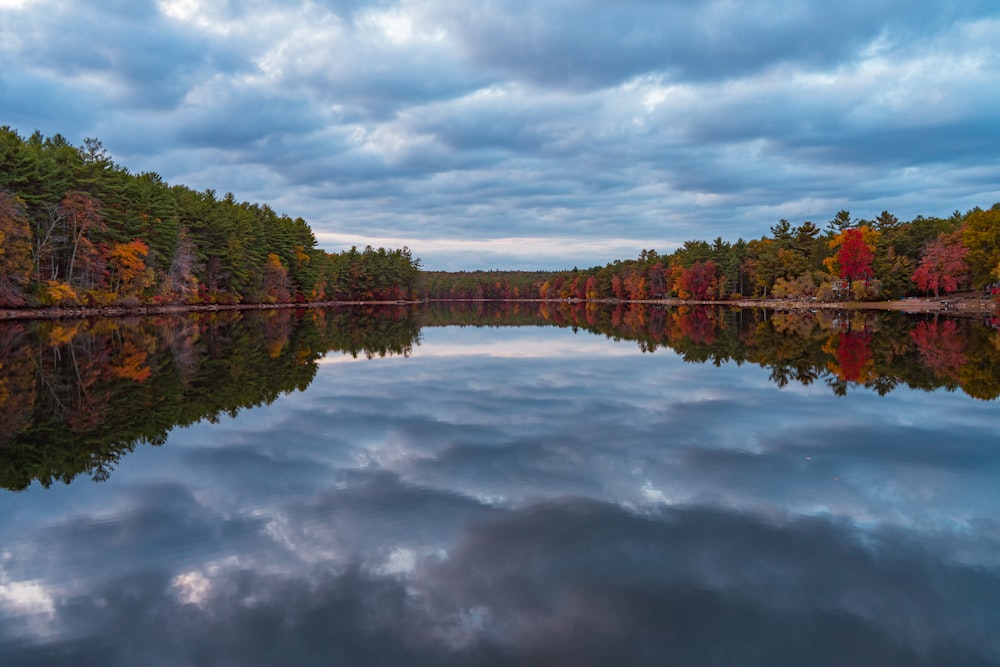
point(78, 229)
point(850, 258)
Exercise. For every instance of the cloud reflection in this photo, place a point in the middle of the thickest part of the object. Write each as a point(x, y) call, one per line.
point(567, 582)
point(527, 496)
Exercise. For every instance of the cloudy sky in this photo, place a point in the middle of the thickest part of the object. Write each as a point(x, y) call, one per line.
point(516, 134)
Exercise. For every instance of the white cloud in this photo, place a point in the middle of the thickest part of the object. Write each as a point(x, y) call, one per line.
point(31, 602)
point(26, 597)
point(192, 588)
point(182, 10)
point(551, 252)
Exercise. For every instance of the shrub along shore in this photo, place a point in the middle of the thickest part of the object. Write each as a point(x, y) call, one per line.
point(960, 303)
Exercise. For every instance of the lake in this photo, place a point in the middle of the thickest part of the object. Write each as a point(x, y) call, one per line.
point(494, 484)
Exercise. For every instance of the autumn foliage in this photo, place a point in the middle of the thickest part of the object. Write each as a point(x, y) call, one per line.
point(697, 281)
point(943, 267)
point(852, 360)
point(941, 347)
point(75, 228)
point(127, 267)
point(884, 258)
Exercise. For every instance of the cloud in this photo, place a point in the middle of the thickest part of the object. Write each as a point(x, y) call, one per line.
point(568, 582)
point(658, 429)
point(529, 253)
point(653, 122)
point(561, 44)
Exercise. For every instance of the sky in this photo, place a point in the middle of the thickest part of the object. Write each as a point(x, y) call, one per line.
point(531, 135)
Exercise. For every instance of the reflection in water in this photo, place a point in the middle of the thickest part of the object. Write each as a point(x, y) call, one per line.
point(877, 350)
point(524, 495)
point(76, 395)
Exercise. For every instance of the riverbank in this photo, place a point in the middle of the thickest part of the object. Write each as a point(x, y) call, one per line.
point(966, 303)
point(958, 303)
point(58, 313)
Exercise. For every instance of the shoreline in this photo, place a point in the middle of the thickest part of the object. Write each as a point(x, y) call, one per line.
point(75, 312)
point(953, 305)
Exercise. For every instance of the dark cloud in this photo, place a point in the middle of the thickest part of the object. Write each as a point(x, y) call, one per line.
point(378, 513)
point(26, 105)
point(937, 449)
point(260, 467)
point(164, 524)
point(972, 142)
point(561, 43)
point(572, 582)
point(130, 54)
point(669, 583)
point(243, 118)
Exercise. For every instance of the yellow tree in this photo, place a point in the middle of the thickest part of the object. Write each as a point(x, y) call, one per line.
point(127, 262)
point(981, 235)
point(277, 285)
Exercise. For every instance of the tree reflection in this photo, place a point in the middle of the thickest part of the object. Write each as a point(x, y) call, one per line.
point(75, 396)
point(851, 356)
point(941, 347)
point(876, 350)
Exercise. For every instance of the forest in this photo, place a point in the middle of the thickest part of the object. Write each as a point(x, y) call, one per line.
point(76, 229)
point(849, 259)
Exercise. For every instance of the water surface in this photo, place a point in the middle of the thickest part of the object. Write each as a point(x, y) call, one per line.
point(502, 495)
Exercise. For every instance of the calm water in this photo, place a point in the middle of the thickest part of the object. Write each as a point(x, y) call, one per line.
point(350, 488)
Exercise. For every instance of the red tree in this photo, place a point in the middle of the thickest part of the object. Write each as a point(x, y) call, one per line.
point(854, 356)
point(657, 280)
point(697, 324)
point(942, 267)
point(855, 256)
point(941, 347)
point(617, 287)
point(635, 286)
point(698, 281)
point(81, 218)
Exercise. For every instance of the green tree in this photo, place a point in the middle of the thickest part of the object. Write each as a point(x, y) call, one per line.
point(840, 223)
point(981, 235)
